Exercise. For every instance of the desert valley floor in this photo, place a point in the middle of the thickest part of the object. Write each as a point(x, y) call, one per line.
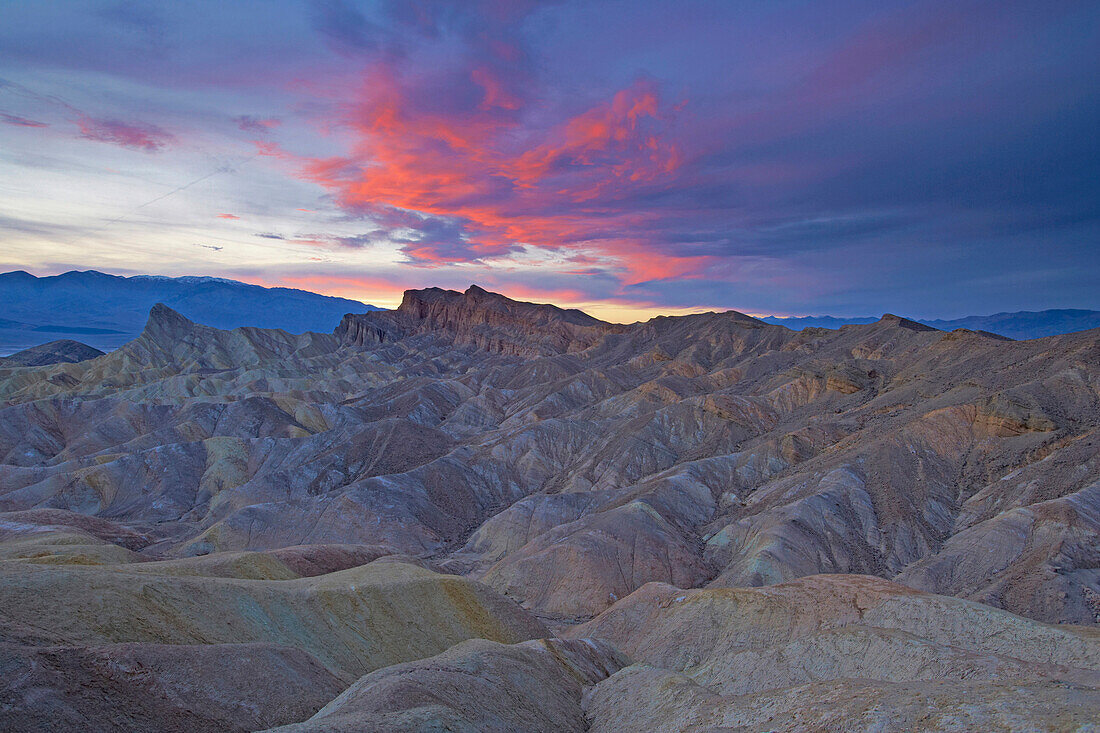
point(477, 514)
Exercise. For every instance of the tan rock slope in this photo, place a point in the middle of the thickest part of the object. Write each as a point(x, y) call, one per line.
point(833, 652)
point(220, 643)
point(205, 487)
point(352, 621)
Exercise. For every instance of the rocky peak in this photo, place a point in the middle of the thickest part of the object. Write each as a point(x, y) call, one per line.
point(165, 324)
point(890, 319)
point(477, 292)
point(165, 331)
point(480, 318)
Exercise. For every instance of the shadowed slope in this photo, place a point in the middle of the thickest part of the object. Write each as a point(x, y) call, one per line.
point(163, 687)
point(54, 352)
point(476, 685)
point(353, 621)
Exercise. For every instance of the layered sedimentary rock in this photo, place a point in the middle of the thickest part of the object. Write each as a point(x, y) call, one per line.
point(488, 321)
point(477, 685)
point(231, 641)
point(352, 621)
point(567, 461)
point(563, 464)
point(838, 653)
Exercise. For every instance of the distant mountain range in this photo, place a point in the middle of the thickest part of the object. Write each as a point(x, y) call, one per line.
point(106, 311)
point(1019, 325)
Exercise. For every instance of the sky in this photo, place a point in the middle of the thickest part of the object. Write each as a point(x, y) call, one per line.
point(935, 159)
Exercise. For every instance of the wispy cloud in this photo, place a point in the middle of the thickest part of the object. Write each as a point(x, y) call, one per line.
point(20, 121)
point(133, 135)
point(256, 125)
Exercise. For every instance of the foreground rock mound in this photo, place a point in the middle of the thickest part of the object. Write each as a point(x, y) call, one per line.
point(214, 643)
point(477, 685)
point(162, 687)
point(838, 652)
point(352, 621)
point(643, 698)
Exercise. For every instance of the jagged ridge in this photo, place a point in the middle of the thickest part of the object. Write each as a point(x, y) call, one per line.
point(478, 318)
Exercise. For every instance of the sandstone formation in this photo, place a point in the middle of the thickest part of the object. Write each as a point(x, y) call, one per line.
point(478, 318)
point(466, 464)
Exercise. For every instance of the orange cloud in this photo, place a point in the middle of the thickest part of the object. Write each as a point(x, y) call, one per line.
point(472, 182)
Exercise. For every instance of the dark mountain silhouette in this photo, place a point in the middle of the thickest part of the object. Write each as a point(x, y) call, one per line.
point(106, 311)
point(1019, 325)
point(64, 351)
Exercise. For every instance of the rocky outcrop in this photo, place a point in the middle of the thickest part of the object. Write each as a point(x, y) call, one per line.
point(713, 633)
point(64, 351)
point(478, 318)
point(646, 698)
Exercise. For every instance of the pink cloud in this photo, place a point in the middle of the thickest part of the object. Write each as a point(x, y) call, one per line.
point(20, 121)
point(133, 135)
point(473, 182)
